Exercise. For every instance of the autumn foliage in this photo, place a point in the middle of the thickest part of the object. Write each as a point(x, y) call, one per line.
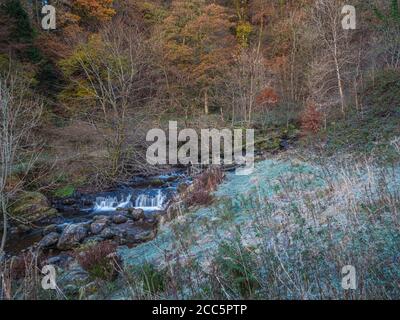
point(267, 96)
point(99, 260)
point(204, 185)
point(311, 119)
point(99, 9)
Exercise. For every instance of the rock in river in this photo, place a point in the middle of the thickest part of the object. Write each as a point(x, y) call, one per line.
point(119, 218)
point(49, 240)
point(107, 233)
point(72, 236)
point(137, 214)
point(97, 227)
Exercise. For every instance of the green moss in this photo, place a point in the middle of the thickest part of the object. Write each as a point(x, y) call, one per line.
point(32, 206)
point(63, 192)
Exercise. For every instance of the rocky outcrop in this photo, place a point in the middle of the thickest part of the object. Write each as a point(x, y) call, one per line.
point(72, 278)
point(72, 236)
point(145, 235)
point(97, 227)
point(32, 207)
point(118, 228)
point(49, 240)
point(107, 233)
point(129, 232)
point(137, 214)
point(119, 219)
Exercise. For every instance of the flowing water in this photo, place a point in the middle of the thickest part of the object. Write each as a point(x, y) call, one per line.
point(152, 200)
point(151, 194)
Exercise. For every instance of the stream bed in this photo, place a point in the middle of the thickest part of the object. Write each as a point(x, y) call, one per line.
point(127, 213)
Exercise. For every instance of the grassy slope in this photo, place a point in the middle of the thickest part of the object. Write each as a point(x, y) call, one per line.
point(368, 131)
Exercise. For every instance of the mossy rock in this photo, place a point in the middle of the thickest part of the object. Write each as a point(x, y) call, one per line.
point(31, 207)
point(156, 183)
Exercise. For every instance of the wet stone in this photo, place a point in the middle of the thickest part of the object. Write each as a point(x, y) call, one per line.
point(119, 219)
point(49, 240)
point(97, 227)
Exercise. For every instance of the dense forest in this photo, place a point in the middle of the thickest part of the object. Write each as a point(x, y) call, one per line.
point(77, 101)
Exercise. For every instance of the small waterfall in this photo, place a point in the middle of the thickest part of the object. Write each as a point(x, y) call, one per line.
point(148, 202)
point(145, 201)
point(111, 203)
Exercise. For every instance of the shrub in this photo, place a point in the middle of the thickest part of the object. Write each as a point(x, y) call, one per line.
point(237, 266)
point(203, 186)
point(99, 260)
point(23, 264)
point(311, 120)
point(267, 96)
point(199, 197)
point(154, 281)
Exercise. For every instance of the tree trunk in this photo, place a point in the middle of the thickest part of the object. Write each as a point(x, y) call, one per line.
point(339, 78)
point(206, 101)
point(4, 236)
point(340, 86)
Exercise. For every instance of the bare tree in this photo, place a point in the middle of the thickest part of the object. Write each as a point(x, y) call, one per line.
point(292, 74)
point(118, 70)
point(19, 115)
point(244, 83)
point(331, 67)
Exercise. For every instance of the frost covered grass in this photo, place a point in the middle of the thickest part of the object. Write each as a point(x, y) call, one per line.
point(285, 232)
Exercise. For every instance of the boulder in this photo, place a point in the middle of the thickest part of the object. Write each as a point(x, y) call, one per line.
point(87, 202)
point(119, 219)
point(30, 207)
point(72, 236)
point(129, 233)
point(137, 214)
point(145, 235)
point(152, 221)
point(49, 240)
point(107, 233)
point(97, 227)
point(60, 228)
point(24, 228)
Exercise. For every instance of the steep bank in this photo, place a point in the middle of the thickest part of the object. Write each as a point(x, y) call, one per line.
point(285, 231)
